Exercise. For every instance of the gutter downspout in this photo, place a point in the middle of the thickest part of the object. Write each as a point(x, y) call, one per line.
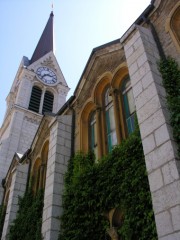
point(4, 187)
point(144, 17)
point(72, 131)
point(156, 37)
point(28, 176)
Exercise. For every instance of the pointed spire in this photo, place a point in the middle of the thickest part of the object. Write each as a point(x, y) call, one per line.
point(45, 43)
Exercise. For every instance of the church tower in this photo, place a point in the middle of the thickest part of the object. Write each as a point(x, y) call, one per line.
point(39, 86)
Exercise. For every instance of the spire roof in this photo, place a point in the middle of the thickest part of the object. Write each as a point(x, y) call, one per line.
point(45, 43)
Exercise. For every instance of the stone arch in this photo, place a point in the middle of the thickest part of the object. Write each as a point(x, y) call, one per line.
point(84, 127)
point(43, 167)
point(6, 197)
point(36, 174)
point(119, 75)
point(100, 87)
point(173, 25)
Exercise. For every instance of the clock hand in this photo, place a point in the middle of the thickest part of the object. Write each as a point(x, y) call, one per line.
point(45, 75)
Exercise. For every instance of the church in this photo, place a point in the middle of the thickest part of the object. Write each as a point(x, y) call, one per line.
point(42, 129)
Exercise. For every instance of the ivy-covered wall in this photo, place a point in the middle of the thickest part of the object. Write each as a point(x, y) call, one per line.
point(120, 181)
point(2, 218)
point(171, 80)
point(27, 225)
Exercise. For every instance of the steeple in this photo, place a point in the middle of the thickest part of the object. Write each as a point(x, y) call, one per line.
point(45, 43)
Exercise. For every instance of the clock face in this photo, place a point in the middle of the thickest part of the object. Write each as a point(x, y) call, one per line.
point(46, 75)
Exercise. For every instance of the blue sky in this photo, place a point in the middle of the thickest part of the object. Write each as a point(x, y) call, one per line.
point(80, 26)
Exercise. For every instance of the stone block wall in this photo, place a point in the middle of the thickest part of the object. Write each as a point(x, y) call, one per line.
point(58, 156)
point(18, 187)
point(29, 128)
point(10, 145)
point(22, 131)
point(158, 144)
point(24, 93)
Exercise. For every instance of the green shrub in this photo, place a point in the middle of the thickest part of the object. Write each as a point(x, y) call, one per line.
point(171, 80)
point(118, 180)
point(2, 218)
point(27, 225)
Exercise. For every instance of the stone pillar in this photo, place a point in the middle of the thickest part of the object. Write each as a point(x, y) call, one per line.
point(18, 187)
point(159, 147)
point(114, 93)
point(98, 129)
point(58, 156)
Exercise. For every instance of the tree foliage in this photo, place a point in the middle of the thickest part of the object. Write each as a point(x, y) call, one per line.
point(119, 180)
point(171, 80)
point(2, 217)
point(27, 225)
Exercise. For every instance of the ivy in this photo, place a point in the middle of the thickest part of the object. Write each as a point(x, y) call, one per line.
point(27, 225)
point(171, 80)
point(119, 180)
point(2, 218)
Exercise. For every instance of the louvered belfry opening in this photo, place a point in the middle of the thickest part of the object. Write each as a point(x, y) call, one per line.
point(35, 100)
point(48, 102)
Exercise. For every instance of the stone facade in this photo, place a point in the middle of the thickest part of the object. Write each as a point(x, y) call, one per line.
point(54, 137)
point(17, 137)
point(158, 144)
point(59, 154)
point(17, 189)
point(20, 123)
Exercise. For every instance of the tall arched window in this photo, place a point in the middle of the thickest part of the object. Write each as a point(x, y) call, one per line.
point(36, 175)
point(110, 121)
point(44, 158)
point(173, 25)
point(48, 102)
point(35, 99)
point(93, 134)
point(129, 106)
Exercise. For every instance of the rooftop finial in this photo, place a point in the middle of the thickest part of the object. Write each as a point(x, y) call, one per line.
point(52, 6)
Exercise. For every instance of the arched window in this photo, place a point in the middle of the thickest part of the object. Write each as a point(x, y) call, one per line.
point(113, 119)
point(110, 121)
point(35, 99)
point(44, 158)
point(36, 175)
point(48, 102)
point(93, 134)
point(129, 106)
point(39, 169)
point(173, 25)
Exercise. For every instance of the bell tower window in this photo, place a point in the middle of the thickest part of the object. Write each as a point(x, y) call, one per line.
point(48, 102)
point(35, 99)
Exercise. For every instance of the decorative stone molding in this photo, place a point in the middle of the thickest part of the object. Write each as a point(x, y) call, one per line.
point(49, 62)
point(32, 120)
point(168, 26)
point(112, 233)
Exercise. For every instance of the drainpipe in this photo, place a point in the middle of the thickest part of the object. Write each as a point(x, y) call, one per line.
point(28, 176)
point(3, 185)
point(144, 18)
point(72, 131)
point(156, 37)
